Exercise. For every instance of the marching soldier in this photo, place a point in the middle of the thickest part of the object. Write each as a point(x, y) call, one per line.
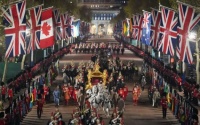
point(121, 93)
point(10, 95)
point(57, 114)
point(3, 93)
point(164, 106)
point(135, 95)
point(66, 94)
point(39, 107)
point(46, 92)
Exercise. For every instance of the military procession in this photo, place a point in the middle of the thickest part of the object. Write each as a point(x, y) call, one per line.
point(96, 47)
point(109, 96)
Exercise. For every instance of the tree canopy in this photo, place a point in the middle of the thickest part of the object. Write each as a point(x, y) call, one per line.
point(136, 6)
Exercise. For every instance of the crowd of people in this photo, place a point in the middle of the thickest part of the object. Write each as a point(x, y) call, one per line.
point(110, 96)
point(28, 89)
point(96, 47)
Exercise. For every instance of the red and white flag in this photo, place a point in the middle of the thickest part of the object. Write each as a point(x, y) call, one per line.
point(46, 34)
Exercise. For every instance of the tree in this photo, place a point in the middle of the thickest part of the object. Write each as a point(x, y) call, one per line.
point(136, 6)
point(195, 3)
point(121, 16)
point(85, 14)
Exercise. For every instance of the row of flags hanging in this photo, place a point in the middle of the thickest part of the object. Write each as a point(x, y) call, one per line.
point(164, 29)
point(37, 28)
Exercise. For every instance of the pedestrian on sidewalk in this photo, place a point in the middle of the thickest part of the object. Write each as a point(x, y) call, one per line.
point(164, 106)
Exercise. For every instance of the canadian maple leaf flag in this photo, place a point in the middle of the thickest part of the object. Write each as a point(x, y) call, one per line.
point(46, 34)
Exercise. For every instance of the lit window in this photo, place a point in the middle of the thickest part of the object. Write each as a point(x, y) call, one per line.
point(104, 18)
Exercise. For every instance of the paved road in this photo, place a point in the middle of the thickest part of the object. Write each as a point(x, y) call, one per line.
point(142, 114)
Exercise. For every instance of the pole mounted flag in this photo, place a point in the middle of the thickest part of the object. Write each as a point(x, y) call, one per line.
point(155, 27)
point(188, 19)
point(46, 34)
point(15, 32)
point(33, 24)
point(168, 31)
point(146, 28)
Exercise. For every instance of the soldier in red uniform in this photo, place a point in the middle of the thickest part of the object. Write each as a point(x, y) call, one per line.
point(20, 108)
point(2, 121)
point(75, 95)
point(121, 93)
point(3, 93)
point(66, 94)
point(164, 106)
point(71, 90)
point(34, 91)
point(135, 95)
point(125, 92)
point(10, 95)
point(46, 92)
point(39, 107)
point(28, 102)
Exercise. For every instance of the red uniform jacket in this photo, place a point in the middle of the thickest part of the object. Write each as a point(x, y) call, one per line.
point(10, 93)
point(125, 91)
point(164, 103)
point(74, 94)
point(46, 90)
point(34, 91)
point(3, 90)
point(39, 105)
point(2, 121)
point(121, 93)
point(71, 89)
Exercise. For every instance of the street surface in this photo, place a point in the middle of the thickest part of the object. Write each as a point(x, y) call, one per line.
point(142, 114)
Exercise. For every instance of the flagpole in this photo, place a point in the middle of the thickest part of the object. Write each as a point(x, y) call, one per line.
point(166, 7)
point(15, 2)
point(34, 7)
point(47, 8)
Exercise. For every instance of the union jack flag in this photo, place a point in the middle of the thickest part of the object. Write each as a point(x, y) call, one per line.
point(155, 24)
point(168, 31)
point(34, 24)
point(64, 25)
point(14, 17)
point(138, 27)
point(188, 19)
point(57, 24)
point(134, 26)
